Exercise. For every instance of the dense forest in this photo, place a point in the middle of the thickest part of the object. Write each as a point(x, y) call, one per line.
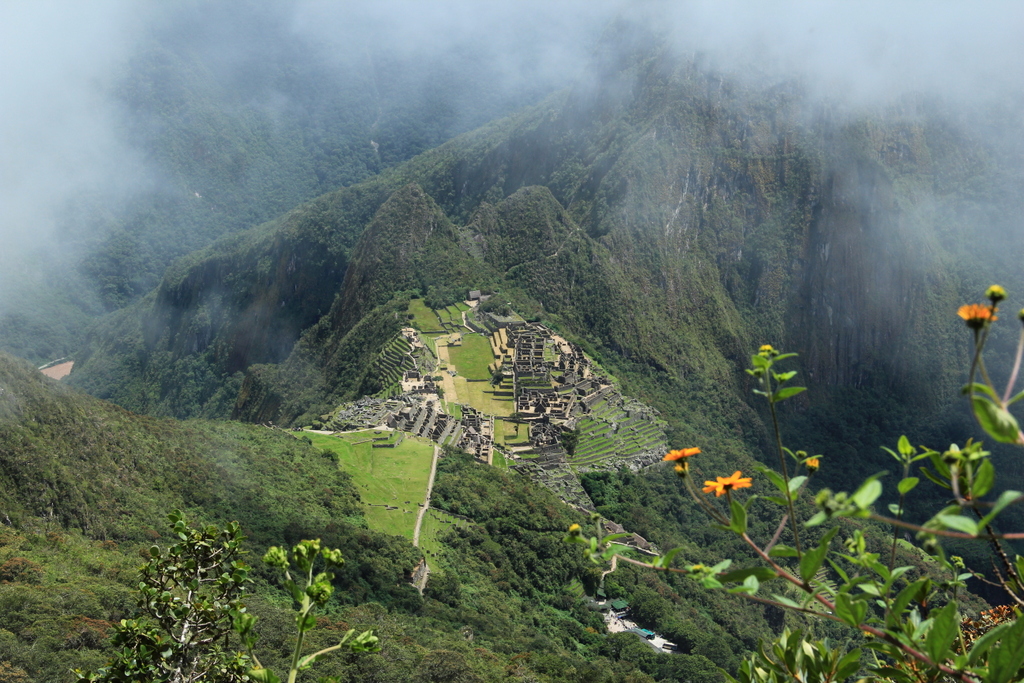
point(666, 211)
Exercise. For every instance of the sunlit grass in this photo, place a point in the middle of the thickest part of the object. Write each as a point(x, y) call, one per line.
point(472, 357)
point(423, 318)
point(384, 476)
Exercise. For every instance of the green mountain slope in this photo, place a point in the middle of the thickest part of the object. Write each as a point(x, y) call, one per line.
point(503, 599)
point(670, 218)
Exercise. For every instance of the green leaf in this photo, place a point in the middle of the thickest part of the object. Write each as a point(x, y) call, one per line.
point(838, 570)
point(996, 421)
point(665, 560)
point(788, 602)
point(783, 356)
point(888, 673)
point(1015, 399)
point(904, 447)
point(818, 518)
point(612, 550)
point(1005, 657)
point(721, 566)
point(784, 376)
point(306, 621)
point(263, 676)
point(787, 392)
point(1005, 498)
point(959, 523)
point(774, 477)
point(944, 630)
point(851, 611)
point(982, 644)
point(811, 562)
point(868, 493)
point(907, 485)
point(738, 523)
point(613, 537)
point(796, 482)
point(848, 665)
point(934, 479)
point(984, 478)
point(750, 586)
point(782, 551)
point(982, 388)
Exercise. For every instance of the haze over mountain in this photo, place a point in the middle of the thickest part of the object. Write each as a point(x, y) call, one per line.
point(230, 212)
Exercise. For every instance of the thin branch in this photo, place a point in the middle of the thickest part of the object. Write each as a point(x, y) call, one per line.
point(778, 532)
point(943, 532)
point(1016, 369)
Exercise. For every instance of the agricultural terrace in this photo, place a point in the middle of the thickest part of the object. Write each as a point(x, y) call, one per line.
point(423, 318)
point(392, 482)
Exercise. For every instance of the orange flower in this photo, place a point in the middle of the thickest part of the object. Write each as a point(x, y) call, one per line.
point(681, 453)
point(723, 484)
point(976, 315)
point(812, 464)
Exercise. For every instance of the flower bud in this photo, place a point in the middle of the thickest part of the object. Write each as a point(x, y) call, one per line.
point(276, 557)
point(995, 294)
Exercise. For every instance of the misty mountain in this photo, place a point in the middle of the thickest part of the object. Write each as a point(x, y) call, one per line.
point(221, 117)
point(671, 216)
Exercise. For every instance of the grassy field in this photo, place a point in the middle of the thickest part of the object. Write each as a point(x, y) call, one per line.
point(453, 409)
point(472, 358)
point(510, 433)
point(499, 460)
point(384, 476)
point(480, 395)
point(423, 318)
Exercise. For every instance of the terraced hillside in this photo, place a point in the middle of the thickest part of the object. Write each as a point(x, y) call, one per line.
point(617, 429)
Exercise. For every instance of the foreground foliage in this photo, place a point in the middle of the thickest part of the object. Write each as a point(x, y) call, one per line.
point(912, 623)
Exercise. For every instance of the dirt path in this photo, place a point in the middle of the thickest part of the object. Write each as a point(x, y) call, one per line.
point(426, 501)
point(420, 582)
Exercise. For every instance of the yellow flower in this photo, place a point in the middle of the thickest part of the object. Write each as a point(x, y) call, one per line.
point(976, 315)
point(812, 464)
point(995, 294)
point(767, 351)
point(681, 453)
point(574, 529)
point(723, 484)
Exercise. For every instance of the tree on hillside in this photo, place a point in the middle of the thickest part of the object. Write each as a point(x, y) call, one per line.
point(191, 597)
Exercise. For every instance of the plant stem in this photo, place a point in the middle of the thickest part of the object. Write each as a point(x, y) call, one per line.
point(899, 515)
point(1016, 368)
point(785, 473)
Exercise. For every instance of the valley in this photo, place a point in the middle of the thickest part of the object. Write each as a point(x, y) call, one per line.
point(437, 299)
